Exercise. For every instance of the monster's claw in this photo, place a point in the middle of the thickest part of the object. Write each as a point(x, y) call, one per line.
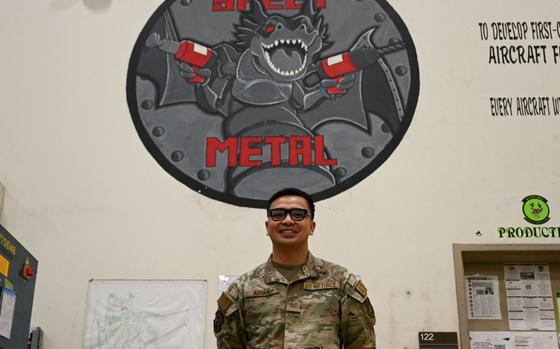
point(347, 78)
point(328, 83)
point(187, 75)
point(205, 73)
point(325, 85)
point(185, 67)
point(188, 72)
point(346, 82)
point(346, 86)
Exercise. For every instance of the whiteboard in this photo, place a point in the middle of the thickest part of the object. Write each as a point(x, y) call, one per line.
point(145, 314)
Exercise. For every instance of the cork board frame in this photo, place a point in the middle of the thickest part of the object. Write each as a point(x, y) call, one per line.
point(489, 259)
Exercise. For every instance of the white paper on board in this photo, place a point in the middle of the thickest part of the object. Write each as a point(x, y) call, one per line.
point(513, 340)
point(7, 312)
point(483, 297)
point(529, 297)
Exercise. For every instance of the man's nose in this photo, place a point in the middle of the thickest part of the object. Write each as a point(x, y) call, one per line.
point(288, 219)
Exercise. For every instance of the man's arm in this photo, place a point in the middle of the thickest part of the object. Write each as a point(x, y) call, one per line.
point(228, 322)
point(357, 316)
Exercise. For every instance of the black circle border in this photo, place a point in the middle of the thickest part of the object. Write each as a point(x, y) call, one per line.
point(253, 203)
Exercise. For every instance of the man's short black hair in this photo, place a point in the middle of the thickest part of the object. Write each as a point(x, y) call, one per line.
point(293, 192)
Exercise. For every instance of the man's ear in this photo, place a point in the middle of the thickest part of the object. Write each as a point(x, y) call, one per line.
point(266, 226)
point(313, 224)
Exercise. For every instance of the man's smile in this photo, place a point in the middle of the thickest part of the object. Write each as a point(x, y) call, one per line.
point(288, 231)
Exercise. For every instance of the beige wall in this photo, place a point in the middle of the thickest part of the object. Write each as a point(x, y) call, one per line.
point(86, 198)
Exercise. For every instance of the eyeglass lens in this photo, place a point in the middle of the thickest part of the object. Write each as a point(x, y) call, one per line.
point(297, 214)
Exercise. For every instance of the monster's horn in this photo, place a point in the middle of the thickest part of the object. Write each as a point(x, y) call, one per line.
point(257, 13)
point(309, 9)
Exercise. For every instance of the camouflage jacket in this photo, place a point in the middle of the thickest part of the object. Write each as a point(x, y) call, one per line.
point(325, 307)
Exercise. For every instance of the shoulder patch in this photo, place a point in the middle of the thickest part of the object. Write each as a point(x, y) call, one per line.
point(218, 321)
point(224, 302)
point(352, 280)
point(232, 291)
point(356, 289)
point(361, 288)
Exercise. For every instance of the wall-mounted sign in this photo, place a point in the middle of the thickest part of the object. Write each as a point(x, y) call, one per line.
point(438, 340)
point(536, 211)
point(237, 99)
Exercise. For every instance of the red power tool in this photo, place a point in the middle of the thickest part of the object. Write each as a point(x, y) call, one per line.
point(193, 53)
point(335, 67)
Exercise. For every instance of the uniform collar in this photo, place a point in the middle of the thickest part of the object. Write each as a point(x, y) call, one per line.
point(312, 268)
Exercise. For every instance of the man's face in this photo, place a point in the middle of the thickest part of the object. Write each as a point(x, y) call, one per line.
point(289, 232)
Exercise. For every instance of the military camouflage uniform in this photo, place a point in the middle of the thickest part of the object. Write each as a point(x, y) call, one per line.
point(325, 307)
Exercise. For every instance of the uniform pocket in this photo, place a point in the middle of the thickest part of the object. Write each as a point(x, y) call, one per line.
point(263, 307)
point(321, 312)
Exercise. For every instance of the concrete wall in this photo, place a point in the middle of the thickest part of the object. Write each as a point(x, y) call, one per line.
point(87, 199)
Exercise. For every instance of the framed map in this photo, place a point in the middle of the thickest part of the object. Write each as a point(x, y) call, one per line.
point(145, 314)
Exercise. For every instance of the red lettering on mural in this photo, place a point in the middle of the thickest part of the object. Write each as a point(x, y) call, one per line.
point(213, 144)
point(275, 149)
point(298, 151)
point(300, 146)
point(243, 5)
point(247, 152)
point(320, 159)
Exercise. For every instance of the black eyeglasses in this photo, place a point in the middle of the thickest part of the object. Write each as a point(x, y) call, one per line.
point(297, 214)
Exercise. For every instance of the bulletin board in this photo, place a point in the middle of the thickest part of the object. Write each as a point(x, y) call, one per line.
point(490, 260)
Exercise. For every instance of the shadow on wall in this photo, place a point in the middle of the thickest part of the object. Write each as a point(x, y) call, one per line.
point(97, 5)
point(94, 5)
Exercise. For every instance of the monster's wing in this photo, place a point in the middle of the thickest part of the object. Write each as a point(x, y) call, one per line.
point(161, 68)
point(374, 92)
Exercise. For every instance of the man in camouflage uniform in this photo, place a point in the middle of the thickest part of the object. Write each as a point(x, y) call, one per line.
point(294, 300)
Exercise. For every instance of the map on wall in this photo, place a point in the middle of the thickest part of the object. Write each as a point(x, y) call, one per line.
point(130, 314)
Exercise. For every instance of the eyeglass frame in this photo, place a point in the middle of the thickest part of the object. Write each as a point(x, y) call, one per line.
point(288, 211)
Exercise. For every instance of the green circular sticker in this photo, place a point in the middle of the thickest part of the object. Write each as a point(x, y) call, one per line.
point(535, 209)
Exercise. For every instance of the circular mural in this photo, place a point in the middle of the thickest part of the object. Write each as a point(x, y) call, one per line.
point(238, 99)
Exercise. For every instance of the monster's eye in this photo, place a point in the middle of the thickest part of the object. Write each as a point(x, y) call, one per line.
point(269, 28)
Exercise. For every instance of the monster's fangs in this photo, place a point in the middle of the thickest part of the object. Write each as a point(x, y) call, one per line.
point(286, 44)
